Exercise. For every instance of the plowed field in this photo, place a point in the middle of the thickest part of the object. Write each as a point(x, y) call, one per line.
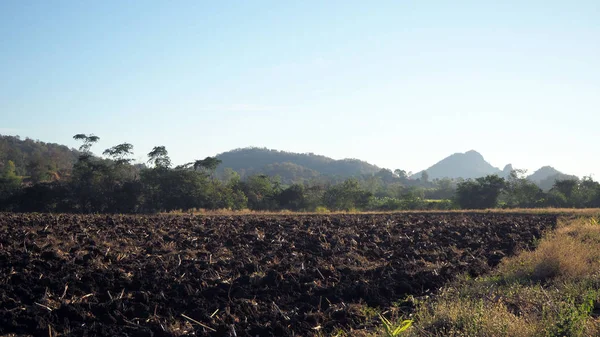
point(97, 275)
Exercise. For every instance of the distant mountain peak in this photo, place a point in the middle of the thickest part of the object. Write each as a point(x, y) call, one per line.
point(543, 173)
point(470, 164)
point(545, 177)
point(472, 153)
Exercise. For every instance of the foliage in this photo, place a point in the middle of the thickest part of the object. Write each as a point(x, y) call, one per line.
point(88, 141)
point(36, 161)
point(119, 153)
point(159, 156)
point(550, 291)
point(521, 192)
point(480, 193)
point(393, 330)
point(9, 181)
point(346, 196)
point(53, 178)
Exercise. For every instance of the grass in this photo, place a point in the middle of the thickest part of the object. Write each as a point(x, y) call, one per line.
point(552, 291)
point(591, 212)
point(394, 329)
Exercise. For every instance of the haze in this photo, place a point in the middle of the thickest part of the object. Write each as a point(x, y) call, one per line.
point(398, 84)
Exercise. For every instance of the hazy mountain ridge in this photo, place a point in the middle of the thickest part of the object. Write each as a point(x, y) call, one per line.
point(471, 164)
point(468, 165)
point(291, 166)
point(545, 177)
point(36, 158)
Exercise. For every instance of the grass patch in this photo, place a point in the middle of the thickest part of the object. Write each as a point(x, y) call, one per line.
point(553, 290)
point(323, 210)
point(550, 291)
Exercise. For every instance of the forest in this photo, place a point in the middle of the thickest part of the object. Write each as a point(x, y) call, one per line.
point(40, 177)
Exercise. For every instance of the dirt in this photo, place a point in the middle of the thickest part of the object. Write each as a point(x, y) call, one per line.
point(98, 275)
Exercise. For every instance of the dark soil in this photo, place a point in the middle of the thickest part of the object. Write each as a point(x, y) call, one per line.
point(97, 275)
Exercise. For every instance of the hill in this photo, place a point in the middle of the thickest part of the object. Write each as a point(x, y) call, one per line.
point(470, 164)
point(547, 175)
point(291, 167)
point(38, 161)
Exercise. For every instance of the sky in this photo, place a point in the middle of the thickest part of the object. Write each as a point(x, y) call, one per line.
point(400, 84)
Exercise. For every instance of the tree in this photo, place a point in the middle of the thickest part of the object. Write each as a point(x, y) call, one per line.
point(230, 177)
point(39, 169)
point(412, 197)
point(159, 157)
point(566, 187)
point(261, 192)
point(401, 174)
point(97, 186)
point(90, 185)
point(88, 141)
point(480, 193)
point(588, 194)
point(119, 152)
point(521, 192)
point(346, 196)
point(424, 177)
point(292, 198)
point(9, 181)
point(563, 193)
point(209, 164)
point(444, 188)
point(386, 176)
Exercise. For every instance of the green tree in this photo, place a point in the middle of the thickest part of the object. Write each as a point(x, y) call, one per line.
point(292, 198)
point(39, 169)
point(9, 181)
point(118, 153)
point(230, 177)
point(424, 177)
point(480, 193)
point(209, 164)
point(94, 182)
point(91, 184)
point(346, 196)
point(563, 192)
point(159, 156)
point(401, 174)
point(567, 187)
point(588, 193)
point(443, 189)
point(521, 192)
point(261, 192)
point(85, 148)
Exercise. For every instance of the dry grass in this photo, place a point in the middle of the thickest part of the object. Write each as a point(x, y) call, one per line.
point(471, 317)
point(571, 253)
point(558, 211)
point(550, 291)
point(553, 290)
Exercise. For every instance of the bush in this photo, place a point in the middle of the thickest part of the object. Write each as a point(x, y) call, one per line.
point(322, 210)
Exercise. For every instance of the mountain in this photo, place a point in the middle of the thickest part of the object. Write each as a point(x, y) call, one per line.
point(463, 165)
point(547, 175)
point(291, 167)
point(507, 170)
point(38, 161)
point(35, 160)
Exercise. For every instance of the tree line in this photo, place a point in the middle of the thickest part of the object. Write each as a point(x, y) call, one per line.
point(115, 184)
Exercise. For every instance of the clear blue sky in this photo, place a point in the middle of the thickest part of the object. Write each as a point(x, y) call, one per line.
point(400, 84)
